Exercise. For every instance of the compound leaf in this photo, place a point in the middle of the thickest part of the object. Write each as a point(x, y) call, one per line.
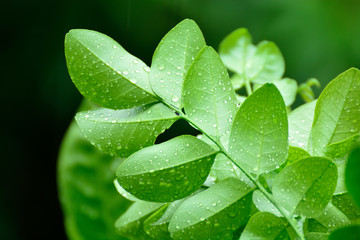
point(265, 226)
point(168, 171)
point(214, 213)
point(131, 223)
point(306, 186)
point(88, 198)
point(337, 112)
point(172, 59)
point(300, 122)
point(208, 97)
point(352, 176)
point(259, 135)
point(123, 132)
point(104, 72)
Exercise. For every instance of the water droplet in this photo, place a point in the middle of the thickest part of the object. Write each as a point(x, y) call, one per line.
point(175, 98)
point(161, 67)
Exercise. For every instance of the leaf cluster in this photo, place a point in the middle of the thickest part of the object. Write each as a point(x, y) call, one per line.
point(258, 171)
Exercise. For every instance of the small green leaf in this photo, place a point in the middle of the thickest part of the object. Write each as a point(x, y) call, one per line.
point(87, 195)
point(337, 112)
point(124, 193)
point(263, 204)
point(340, 150)
point(123, 132)
point(306, 186)
point(352, 175)
point(288, 89)
point(172, 58)
point(265, 226)
point(237, 81)
point(317, 236)
point(346, 204)
point(305, 89)
point(348, 233)
point(267, 63)
point(235, 50)
point(300, 122)
point(340, 186)
point(296, 154)
point(101, 69)
point(259, 135)
point(332, 218)
point(168, 171)
point(131, 223)
point(208, 97)
point(214, 213)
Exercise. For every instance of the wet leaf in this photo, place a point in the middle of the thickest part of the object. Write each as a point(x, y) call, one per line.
point(337, 112)
point(332, 218)
point(214, 213)
point(346, 204)
point(317, 236)
point(168, 171)
point(340, 150)
point(300, 190)
point(172, 58)
point(265, 226)
point(296, 154)
point(352, 175)
point(208, 96)
point(101, 69)
point(259, 135)
point(264, 205)
point(300, 122)
point(131, 223)
point(123, 132)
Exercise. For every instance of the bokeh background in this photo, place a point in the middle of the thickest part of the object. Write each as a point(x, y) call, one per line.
point(318, 38)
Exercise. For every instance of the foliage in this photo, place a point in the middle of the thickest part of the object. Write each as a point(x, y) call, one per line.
point(256, 163)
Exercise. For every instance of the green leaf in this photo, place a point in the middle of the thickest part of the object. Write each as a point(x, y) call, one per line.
point(263, 204)
point(123, 132)
point(259, 135)
point(87, 195)
point(337, 112)
point(288, 89)
point(265, 226)
point(340, 150)
point(340, 186)
point(214, 213)
point(237, 81)
point(348, 233)
point(300, 122)
point(131, 223)
point(352, 175)
point(101, 69)
point(172, 58)
point(296, 154)
point(168, 171)
point(208, 97)
point(306, 186)
point(317, 236)
point(124, 193)
point(346, 204)
point(267, 63)
point(332, 218)
point(235, 50)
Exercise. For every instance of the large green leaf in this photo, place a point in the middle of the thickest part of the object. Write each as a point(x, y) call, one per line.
point(104, 72)
point(306, 186)
point(168, 171)
point(235, 50)
point(259, 135)
point(348, 233)
point(123, 132)
point(208, 97)
point(300, 122)
point(172, 58)
point(131, 223)
point(267, 63)
point(265, 226)
point(337, 112)
point(214, 213)
point(88, 198)
point(352, 175)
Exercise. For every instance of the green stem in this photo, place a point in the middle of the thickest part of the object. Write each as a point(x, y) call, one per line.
point(248, 86)
point(290, 220)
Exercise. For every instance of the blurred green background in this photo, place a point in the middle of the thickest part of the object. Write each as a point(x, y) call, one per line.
point(318, 38)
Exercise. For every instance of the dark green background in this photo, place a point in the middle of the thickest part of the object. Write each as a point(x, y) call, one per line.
point(318, 39)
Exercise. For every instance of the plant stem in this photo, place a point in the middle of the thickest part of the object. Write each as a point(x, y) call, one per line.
point(247, 86)
point(255, 181)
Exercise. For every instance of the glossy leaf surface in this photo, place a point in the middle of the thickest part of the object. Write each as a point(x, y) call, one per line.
point(123, 132)
point(168, 171)
point(101, 69)
point(214, 213)
point(265, 226)
point(209, 99)
point(307, 192)
point(172, 58)
point(259, 135)
point(337, 112)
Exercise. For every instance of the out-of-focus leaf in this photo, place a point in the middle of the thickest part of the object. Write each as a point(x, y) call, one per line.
point(348, 233)
point(288, 89)
point(352, 175)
